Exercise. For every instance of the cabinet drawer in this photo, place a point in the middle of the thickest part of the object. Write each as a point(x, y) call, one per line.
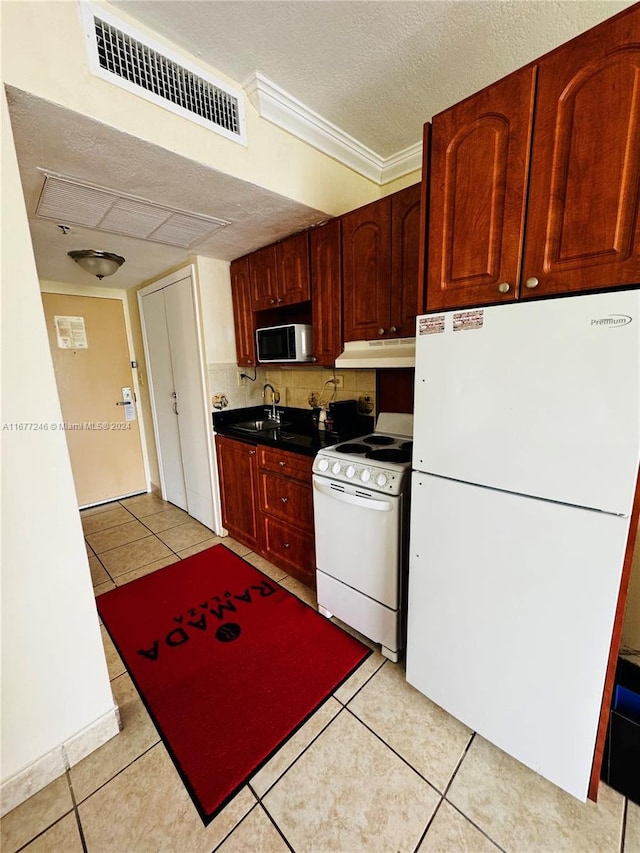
point(292, 549)
point(285, 463)
point(287, 500)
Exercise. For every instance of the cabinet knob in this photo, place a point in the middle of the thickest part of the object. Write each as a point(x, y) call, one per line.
point(532, 282)
point(284, 500)
point(286, 545)
point(393, 330)
point(381, 331)
point(280, 299)
point(504, 287)
point(272, 301)
point(282, 464)
point(252, 453)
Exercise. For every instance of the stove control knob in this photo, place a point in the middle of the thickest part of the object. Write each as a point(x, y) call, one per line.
point(365, 475)
point(336, 467)
point(350, 471)
point(381, 479)
point(323, 464)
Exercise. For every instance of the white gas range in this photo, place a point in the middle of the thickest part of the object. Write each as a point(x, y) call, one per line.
point(360, 495)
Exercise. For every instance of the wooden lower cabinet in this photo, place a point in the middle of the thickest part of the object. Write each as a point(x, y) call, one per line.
point(267, 503)
point(291, 549)
point(238, 477)
point(286, 507)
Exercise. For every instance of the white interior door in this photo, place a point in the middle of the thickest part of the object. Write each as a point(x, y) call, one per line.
point(163, 401)
point(182, 420)
point(185, 356)
point(511, 608)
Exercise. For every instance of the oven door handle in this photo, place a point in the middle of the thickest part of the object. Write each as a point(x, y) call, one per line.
point(345, 497)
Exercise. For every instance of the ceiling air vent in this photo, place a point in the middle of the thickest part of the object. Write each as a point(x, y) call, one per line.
point(132, 61)
point(65, 199)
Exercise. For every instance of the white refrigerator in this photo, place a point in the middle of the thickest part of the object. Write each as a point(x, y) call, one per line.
point(525, 456)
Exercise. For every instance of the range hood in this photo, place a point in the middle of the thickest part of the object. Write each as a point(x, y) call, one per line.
point(396, 352)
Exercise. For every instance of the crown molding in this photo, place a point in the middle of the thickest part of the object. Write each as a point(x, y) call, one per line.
point(282, 109)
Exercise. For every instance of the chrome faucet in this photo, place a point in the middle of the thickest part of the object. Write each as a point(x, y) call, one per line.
point(274, 414)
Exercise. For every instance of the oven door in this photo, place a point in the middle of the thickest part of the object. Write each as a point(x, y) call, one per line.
point(358, 535)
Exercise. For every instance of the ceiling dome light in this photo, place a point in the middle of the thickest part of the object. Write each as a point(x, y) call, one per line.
point(97, 263)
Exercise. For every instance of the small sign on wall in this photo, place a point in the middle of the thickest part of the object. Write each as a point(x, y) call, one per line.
point(71, 332)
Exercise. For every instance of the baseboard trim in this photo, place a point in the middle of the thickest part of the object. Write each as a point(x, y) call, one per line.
point(55, 763)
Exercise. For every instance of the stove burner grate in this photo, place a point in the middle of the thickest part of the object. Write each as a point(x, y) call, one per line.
point(407, 445)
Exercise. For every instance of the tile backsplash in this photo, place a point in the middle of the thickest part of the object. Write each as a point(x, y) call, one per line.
point(301, 387)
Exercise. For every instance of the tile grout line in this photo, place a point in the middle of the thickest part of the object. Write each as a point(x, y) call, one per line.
point(453, 805)
point(262, 806)
point(428, 826)
point(76, 811)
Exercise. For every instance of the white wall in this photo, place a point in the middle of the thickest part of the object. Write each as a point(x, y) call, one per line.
point(217, 310)
point(55, 683)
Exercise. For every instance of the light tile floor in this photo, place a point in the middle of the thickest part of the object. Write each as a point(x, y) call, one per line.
point(378, 767)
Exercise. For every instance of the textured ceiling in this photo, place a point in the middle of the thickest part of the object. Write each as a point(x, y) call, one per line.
point(49, 136)
point(377, 70)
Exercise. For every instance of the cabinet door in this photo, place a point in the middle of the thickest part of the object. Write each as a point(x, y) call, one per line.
point(243, 318)
point(237, 471)
point(479, 167)
point(292, 270)
point(583, 219)
point(285, 463)
point(405, 254)
point(326, 278)
point(366, 257)
point(291, 549)
point(288, 500)
point(263, 278)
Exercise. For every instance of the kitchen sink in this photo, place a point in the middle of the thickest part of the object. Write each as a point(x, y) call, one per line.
point(261, 425)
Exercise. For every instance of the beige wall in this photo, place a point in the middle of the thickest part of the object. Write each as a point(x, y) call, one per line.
point(400, 183)
point(55, 683)
point(631, 630)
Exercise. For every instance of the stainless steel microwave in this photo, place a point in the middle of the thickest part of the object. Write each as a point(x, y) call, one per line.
point(291, 342)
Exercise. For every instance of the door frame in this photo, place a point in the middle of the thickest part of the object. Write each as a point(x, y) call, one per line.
point(98, 292)
point(161, 284)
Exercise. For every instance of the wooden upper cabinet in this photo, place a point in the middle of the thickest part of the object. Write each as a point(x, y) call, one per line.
point(583, 220)
point(326, 287)
point(279, 273)
point(405, 240)
point(263, 278)
point(292, 268)
point(366, 264)
point(243, 317)
point(380, 260)
point(479, 168)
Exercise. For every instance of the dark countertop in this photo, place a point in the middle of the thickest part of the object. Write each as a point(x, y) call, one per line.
point(299, 433)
